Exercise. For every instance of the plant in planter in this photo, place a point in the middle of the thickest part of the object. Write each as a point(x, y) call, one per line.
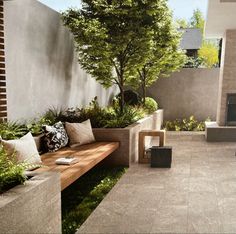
point(190, 124)
point(114, 39)
point(150, 105)
point(12, 130)
point(36, 126)
point(11, 172)
point(123, 119)
point(108, 117)
point(164, 56)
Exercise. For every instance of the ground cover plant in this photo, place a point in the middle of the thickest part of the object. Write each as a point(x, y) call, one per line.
point(187, 124)
point(83, 196)
point(11, 172)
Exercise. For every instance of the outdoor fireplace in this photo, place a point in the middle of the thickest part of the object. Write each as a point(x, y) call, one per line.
point(231, 110)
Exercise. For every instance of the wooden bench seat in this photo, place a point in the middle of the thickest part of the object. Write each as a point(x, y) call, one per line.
point(88, 156)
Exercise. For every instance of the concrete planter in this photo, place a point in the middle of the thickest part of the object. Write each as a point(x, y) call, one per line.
point(128, 138)
point(34, 207)
point(172, 136)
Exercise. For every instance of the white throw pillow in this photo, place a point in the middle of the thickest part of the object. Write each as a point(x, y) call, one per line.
point(25, 149)
point(80, 133)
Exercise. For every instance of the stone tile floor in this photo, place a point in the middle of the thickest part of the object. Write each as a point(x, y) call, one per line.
point(197, 195)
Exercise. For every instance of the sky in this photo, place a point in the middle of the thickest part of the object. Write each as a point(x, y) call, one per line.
point(181, 8)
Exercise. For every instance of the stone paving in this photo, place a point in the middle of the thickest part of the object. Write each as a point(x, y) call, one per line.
point(197, 195)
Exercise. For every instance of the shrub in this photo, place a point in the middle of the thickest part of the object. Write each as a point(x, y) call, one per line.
point(194, 62)
point(130, 98)
point(12, 130)
point(54, 115)
point(108, 117)
point(129, 116)
point(97, 115)
point(36, 127)
point(11, 172)
point(190, 124)
point(150, 105)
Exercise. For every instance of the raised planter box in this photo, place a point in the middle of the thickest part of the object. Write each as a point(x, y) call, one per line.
point(128, 138)
point(34, 207)
point(172, 136)
point(216, 133)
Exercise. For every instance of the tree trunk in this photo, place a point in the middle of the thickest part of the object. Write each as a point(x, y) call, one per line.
point(144, 92)
point(122, 98)
point(143, 79)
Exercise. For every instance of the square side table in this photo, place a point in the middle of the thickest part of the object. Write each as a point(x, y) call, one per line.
point(141, 145)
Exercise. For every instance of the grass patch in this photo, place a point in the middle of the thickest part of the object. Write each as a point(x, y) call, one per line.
point(83, 196)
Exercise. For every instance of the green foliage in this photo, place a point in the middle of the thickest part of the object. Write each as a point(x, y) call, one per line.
point(190, 124)
point(209, 51)
point(128, 116)
point(36, 126)
point(165, 56)
point(197, 20)
point(100, 117)
point(12, 130)
point(182, 23)
point(107, 117)
point(192, 62)
point(209, 54)
point(120, 36)
point(150, 105)
point(82, 197)
point(15, 130)
point(94, 112)
point(97, 115)
point(11, 172)
point(53, 115)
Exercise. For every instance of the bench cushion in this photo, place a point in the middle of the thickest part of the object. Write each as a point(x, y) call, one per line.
point(88, 155)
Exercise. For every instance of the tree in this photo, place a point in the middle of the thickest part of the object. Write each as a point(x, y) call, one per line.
point(165, 55)
point(197, 20)
point(162, 64)
point(182, 23)
point(209, 54)
point(113, 38)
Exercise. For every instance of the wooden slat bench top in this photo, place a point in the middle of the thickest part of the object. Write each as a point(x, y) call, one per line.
point(88, 156)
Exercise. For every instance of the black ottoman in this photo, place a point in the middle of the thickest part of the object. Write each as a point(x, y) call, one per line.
point(161, 156)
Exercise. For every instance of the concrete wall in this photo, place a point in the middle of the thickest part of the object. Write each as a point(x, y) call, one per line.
point(34, 207)
point(188, 92)
point(227, 84)
point(41, 65)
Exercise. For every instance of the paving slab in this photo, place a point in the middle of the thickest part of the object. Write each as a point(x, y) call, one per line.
point(196, 195)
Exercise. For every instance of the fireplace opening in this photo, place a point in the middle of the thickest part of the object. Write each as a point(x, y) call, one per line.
point(231, 110)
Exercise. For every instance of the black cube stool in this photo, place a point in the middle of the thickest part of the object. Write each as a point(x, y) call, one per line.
point(161, 156)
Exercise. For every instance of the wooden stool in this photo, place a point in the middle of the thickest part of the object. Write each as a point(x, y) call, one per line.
point(141, 144)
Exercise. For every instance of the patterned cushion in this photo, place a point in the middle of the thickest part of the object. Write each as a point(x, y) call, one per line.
point(55, 137)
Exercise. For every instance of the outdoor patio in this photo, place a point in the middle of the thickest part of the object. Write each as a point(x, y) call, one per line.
point(197, 195)
point(80, 89)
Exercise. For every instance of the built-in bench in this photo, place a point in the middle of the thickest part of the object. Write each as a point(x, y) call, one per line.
point(88, 156)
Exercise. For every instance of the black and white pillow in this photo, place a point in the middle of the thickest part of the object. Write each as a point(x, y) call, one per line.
point(55, 137)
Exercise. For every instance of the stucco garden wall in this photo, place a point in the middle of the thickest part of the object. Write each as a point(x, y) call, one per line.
point(188, 92)
point(41, 65)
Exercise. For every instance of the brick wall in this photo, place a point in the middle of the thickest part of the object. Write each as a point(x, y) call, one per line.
point(3, 96)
